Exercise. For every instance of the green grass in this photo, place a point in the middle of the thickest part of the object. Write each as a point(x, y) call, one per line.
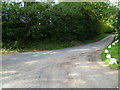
point(51, 45)
point(114, 54)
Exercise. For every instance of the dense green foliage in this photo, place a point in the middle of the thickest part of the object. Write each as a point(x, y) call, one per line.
point(118, 23)
point(37, 22)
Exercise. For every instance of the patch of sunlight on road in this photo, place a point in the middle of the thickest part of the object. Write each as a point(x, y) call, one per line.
point(50, 52)
point(80, 81)
point(54, 79)
point(82, 67)
point(47, 52)
point(79, 50)
point(77, 63)
point(96, 48)
point(73, 74)
point(31, 62)
point(35, 55)
point(8, 77)
point(108, 73)
point(10, 72)
point(54, 52)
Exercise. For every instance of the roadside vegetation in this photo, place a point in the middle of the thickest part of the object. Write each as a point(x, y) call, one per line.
point(113, 51)
point(51, 45)
point(48, 26)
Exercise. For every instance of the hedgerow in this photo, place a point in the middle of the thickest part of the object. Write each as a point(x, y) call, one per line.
point(36, 22)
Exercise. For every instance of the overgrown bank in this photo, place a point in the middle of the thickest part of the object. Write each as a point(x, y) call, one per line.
point(51, 45)
point(110, 54)
point(44, 23)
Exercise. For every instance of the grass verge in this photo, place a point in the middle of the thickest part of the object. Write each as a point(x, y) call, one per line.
point(114, 51)
point(51, 45)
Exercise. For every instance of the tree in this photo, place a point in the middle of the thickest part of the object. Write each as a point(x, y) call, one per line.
point(73, 21)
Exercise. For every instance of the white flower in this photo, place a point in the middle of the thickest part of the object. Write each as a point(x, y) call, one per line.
point(108, 56)
point(112, 61)
point(109, 46)
point(116, 41)
point(113, 43)
point(106, 51)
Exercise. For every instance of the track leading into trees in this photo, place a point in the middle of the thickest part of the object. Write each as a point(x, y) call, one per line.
point(76, 67)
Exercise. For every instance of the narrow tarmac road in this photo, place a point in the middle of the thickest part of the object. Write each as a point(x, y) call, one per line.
point(76, 67)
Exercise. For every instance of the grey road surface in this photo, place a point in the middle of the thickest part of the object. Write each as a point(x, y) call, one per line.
point(76, 67)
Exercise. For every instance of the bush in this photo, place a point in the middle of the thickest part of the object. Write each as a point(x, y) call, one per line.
point(43, 21)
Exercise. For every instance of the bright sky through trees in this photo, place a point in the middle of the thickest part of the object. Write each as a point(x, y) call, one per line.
point(115, 2)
